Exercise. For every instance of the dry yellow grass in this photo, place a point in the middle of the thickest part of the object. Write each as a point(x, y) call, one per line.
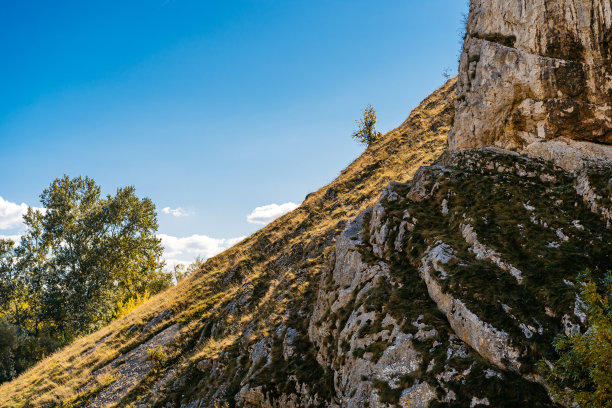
point(285, 255)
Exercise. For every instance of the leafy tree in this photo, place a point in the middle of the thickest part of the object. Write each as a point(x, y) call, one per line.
point(83, 260)
point(366, 132)
point(89, 252)
point(447, 74)
point(583, 372)
point(11, 289)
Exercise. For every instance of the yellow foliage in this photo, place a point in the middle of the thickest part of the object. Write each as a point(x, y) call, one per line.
point(132, 303)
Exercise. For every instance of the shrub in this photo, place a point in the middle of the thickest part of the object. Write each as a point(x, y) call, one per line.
point(130, 304)
point(157, 356)
point(583, 372)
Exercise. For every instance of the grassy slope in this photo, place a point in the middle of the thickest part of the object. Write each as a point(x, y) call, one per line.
point(276, 270)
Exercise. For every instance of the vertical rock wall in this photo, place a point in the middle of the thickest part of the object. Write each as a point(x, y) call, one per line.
point(532, 71)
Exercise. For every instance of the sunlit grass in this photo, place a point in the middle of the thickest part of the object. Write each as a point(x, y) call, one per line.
point(200, 300)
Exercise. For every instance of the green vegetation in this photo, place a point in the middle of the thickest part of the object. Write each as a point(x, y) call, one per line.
point(583, 372)
point(83, 260)
point(125, 307)
point(514, 216)
point(8, 344)
point(181, 271)
point(377, 349)
point(366, 132)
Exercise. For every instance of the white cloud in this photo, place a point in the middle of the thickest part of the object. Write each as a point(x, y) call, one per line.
point(185, 250)
point(267, 213)
point(176, 212)
point(15, 238)
point(11, 214)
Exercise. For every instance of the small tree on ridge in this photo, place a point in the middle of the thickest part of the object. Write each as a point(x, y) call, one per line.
point(366, 132)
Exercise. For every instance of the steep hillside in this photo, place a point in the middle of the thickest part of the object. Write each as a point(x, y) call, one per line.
point(242, 322)
point(441, 287)
point(420, 277)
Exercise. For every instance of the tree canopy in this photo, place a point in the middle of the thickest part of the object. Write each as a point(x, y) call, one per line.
point(81, 257)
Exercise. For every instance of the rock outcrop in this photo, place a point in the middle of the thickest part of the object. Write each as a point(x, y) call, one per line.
point(536, 76)
point(392, 286)
point(462, 276)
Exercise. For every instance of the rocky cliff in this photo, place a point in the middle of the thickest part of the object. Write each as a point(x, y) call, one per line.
point(449, 289)
point(536, 76)
point(421, 277)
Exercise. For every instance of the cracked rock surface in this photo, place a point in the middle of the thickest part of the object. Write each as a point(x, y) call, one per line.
point(406, 317)
point(536, 76)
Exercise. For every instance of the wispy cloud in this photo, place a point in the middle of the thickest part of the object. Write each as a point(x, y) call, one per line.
point(185, 250)
point(176, 212)
point(267, 213)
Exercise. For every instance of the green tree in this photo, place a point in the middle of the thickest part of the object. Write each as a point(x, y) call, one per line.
point(11, 292)
point(81, 257)
point(583, 372)
point(366, 132)
point(84, 253)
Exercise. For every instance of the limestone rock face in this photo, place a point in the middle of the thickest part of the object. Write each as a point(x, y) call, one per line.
point(462, 276)
point(532, 71)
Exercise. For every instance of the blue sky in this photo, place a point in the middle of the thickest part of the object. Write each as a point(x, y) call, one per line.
point(209, 108)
